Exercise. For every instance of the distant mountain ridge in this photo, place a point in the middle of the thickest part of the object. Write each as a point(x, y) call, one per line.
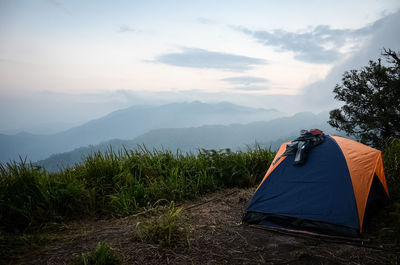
point(235, 136)
point(127, 124)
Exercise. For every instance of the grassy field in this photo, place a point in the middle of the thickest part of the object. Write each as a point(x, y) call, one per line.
point(119, 183)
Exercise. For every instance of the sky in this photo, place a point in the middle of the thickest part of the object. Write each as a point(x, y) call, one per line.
point(65, 62)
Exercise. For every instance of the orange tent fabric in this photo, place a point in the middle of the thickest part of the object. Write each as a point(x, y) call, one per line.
point(275, 163)
point(363, 163)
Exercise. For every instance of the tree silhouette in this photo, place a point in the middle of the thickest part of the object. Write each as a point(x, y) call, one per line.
point(371, 96)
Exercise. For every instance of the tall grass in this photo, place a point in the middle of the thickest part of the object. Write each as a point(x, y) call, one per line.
point(391, 163)
point(388, 222)
point(30, 197)
point(119, 183)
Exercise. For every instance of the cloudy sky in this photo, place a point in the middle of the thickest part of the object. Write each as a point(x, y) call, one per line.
point(65, 62)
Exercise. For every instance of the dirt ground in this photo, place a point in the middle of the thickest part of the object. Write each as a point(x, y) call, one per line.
point(218, 239)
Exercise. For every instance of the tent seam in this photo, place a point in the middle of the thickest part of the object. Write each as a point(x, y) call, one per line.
point(351, 181)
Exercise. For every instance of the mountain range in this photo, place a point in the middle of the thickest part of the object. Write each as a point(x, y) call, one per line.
point(234, 136)
point(127, 124)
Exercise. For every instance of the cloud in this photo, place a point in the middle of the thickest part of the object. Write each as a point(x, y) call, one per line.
point(205, 21)
point(251, 88)
point(119, 96)
point(6, 61)
point(199, 58)
point(125, 28)
point(321, 44)
point(59, 5)
point(54, 3)
point(245, 80)
point(319, 95)
point(52, 93)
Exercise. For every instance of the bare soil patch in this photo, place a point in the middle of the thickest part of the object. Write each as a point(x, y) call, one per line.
point(218, 239)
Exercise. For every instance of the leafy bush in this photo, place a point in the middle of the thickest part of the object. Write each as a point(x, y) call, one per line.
point(388, 222)
point(168, 229)
point(104, 254)
point(391, 161)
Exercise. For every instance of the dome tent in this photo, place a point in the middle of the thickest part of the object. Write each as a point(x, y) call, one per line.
point(339, 186)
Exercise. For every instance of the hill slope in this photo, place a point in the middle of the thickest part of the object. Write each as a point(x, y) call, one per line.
point(128, 124)
point(234, 136)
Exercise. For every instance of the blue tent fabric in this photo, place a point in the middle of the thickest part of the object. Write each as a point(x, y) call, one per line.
point(321, 190)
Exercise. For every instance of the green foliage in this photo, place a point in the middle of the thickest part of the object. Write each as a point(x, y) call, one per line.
point(387, 224)
point(120, 183)
point(104, 254)
point(147, 176)
point(29, 196)
point(391, 163)
point(97, 172)
point(372, 102)
point(168, 229)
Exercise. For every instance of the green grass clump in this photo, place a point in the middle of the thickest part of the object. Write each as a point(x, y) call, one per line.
point(169, 228)
point(98, 172)
point(104, 254)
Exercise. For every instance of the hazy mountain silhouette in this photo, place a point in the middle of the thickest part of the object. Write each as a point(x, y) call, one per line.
point(234, 136)
point(128, 124)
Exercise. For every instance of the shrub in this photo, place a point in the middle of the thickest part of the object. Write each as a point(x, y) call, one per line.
point(388, 222)
point(391, 161)
point(104, 254)
point(168, 229)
